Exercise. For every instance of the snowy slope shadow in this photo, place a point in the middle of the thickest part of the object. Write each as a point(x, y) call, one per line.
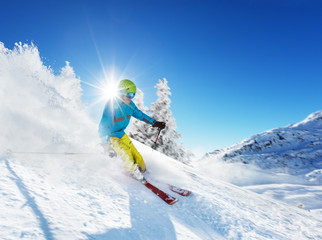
point(30, 201)
point(148, 221)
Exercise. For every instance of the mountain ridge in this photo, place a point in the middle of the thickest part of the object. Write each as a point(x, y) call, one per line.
point(296, 148)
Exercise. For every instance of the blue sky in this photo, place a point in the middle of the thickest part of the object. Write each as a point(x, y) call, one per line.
point(235, 68)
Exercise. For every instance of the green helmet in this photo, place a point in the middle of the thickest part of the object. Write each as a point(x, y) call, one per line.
point(127, 86)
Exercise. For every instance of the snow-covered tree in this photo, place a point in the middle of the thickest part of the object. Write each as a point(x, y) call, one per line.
point(139, 128)
point(167, 143)
point(160, 111)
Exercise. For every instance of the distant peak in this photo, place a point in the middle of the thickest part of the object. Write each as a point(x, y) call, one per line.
point(314, 116)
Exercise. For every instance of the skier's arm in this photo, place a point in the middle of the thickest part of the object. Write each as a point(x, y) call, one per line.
point(137, 113)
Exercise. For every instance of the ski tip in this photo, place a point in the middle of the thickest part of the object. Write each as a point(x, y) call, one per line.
point(179, 191)
point(173, 201)
point(188, 193)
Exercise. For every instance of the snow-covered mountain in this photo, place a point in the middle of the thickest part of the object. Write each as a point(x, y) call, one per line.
point(295, 149)
point(284, 163)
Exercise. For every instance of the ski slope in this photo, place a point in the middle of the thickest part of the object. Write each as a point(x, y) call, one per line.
point(46, 194)
point(90, 197)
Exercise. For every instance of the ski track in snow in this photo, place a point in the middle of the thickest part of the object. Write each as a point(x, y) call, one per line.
point(98, 205)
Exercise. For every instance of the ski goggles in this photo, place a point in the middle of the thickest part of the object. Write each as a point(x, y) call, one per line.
point(129, 95)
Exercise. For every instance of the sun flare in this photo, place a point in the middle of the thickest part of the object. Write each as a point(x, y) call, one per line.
point(109, 90)
point(106, 88)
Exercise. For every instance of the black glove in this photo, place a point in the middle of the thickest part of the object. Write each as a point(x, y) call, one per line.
point(160, 125)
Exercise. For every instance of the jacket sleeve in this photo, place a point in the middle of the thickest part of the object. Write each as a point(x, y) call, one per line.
point(104, 128)
point(137, 113)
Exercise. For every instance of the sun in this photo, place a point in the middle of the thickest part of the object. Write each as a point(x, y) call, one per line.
point(106, 88)
point(109, 90)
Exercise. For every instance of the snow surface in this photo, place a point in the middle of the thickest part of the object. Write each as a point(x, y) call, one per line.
point(92, 198)
point(49, 192)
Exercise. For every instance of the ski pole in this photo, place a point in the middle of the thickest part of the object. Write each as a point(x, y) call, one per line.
point(155, 143)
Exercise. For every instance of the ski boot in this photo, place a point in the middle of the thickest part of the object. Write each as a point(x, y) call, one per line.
point(137, 175)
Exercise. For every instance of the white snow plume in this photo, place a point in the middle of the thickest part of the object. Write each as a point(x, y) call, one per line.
point(40, 111)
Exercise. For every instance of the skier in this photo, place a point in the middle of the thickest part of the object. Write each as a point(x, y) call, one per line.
point(116, 117)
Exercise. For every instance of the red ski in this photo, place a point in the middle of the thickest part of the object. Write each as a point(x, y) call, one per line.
point(164, 196)
point(180, 191)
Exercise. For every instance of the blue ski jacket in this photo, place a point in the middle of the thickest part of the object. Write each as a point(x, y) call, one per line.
point(116, 117)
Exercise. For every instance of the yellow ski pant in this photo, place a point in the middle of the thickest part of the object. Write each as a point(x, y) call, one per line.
point(127, 151)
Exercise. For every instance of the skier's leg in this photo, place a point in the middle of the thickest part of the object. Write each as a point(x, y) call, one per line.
point(138, 159)
point(124, 151)
point(122, 148)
